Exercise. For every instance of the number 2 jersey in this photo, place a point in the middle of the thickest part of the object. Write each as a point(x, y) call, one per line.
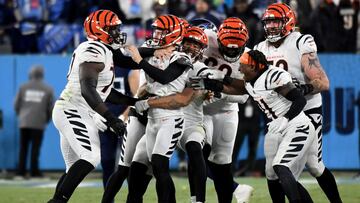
point(89, 51)
point(288, 56)
point(176, 86)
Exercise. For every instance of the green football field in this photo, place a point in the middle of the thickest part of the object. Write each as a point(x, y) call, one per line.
point(39, 191)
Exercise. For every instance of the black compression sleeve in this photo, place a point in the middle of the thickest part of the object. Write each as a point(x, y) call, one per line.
point(173, 71)
point(213, 85)
point(307, 88)
point(116, 97)
point(146, 52)
point(123, 61)
point(88, 91)
point(298, 103)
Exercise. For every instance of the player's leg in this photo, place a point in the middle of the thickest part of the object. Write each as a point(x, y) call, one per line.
point(315, 163)
point(289, 159)
point(169, 133)
point(138, 179)
point(135, 130)
point(225, 127)
point(80, 147)
point(109, 143)
point(271, 144)
point(192, 141)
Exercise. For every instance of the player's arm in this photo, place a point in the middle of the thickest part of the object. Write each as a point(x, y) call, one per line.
point(228, 85)
point(174, 101)
point(88, 74)
point(117, 97)
point(121, 60)
point(173, 71)
point(293, 94)
point(315, 73)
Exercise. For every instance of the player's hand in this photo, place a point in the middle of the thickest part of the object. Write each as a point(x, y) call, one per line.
point(278, 125)
point(134, 52)
point(141, 106)
point(213, 74)
point(197, 83)
point(296, 82)
point(100, 122)
point(115, 124)
point(165, 53)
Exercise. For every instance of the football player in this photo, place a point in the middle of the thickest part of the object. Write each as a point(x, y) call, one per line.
point(165, 127)
point(297, 53)
point(90, 80)
point(81, 104)
point(221, 117)
point(194, 43)
point(290, 132)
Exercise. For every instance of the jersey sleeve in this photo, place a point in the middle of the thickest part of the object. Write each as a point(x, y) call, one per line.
point(276, 77)
point(92, 52)
point(306, 44)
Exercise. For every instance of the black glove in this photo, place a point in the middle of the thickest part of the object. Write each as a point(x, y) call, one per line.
point(115, 124)
point(304, 88)
point(205, 83)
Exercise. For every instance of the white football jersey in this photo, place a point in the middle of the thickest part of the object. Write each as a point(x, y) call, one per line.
point(214, 60)
point(89, 51)
point(194, 111)
point(288, 56)
point(263, 91)
point(170, 88)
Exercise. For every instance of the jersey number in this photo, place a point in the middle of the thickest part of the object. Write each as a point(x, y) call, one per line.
point(280, 63)
point(212, 62)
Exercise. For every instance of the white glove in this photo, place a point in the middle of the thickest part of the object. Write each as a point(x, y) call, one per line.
point(141, 106)
point(213, 74)
point(99, 122)
point(278, 125)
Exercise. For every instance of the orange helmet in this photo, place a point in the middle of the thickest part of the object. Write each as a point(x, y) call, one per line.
point(167, 30)
point(232, 37)
point(198, 42)
point(104, 26)
point(279, 20)
point(185, 23)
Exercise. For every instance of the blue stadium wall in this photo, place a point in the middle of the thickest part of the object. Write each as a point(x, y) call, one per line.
point(341, 125)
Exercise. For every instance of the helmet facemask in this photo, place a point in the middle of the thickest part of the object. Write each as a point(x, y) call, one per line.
point(274, 29)
point(193, 48)
point(157, 39)
point(117, 38)
point(231, 53)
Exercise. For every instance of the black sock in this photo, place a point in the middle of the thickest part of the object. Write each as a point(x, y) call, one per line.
point(114, 184)
point(328, 185)
point(198, 168)
point(59, 183)
point(287, 182)
point(223, 181)
point(191, 177)
point(74, 176)
point(305, 196)
point(165, 188)
point(276, 192)
point(136, 179)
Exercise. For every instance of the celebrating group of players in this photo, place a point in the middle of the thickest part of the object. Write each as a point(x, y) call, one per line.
point(193, 77)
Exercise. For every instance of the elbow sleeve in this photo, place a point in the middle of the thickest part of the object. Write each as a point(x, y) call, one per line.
point(298, 103)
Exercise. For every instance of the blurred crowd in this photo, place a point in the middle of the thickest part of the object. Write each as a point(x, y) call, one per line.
point(55, 26)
